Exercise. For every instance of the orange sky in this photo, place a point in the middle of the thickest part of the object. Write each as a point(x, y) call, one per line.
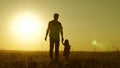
point(87, 24)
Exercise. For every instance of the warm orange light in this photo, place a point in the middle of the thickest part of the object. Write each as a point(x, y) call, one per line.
point(27, 28)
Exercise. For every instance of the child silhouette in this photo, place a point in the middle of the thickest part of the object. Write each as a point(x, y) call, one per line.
point(66, 49)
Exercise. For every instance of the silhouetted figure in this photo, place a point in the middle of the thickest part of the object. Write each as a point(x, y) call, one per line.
point(66, 49)
point(54, 29)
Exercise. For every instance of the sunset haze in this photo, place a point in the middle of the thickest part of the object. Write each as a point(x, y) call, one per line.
point(88, 24)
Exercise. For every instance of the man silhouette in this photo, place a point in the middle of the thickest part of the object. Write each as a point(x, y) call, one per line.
point(54, 29)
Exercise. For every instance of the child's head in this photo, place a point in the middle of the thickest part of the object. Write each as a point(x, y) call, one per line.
point(66, 41)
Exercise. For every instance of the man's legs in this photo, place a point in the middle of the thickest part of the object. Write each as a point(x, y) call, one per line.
point(51, 48)
point(56, 50)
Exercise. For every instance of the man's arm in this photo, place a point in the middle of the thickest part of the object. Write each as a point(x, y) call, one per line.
point(47, 31)
point(62, 34)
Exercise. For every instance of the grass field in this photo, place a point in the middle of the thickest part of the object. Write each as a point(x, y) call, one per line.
point(40, 59)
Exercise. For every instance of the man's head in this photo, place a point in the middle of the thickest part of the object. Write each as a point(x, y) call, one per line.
point(56, 16)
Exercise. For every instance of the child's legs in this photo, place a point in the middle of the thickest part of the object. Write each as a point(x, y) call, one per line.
point(66, 57)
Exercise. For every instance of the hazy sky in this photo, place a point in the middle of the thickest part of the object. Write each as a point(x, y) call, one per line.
point(88, 24)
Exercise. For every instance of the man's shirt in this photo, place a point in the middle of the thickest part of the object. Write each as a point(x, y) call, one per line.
point(55, 28)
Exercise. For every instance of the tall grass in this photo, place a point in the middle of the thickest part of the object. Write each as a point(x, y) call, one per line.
point(21, 59)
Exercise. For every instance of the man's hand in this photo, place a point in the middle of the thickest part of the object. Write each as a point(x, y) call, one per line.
point(45, 38)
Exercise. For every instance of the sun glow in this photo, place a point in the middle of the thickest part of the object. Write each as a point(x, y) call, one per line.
point(27, 27)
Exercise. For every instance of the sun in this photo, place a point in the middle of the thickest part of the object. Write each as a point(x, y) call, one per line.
point(27, 27)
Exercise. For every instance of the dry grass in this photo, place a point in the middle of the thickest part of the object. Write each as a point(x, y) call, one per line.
point(24, 59)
